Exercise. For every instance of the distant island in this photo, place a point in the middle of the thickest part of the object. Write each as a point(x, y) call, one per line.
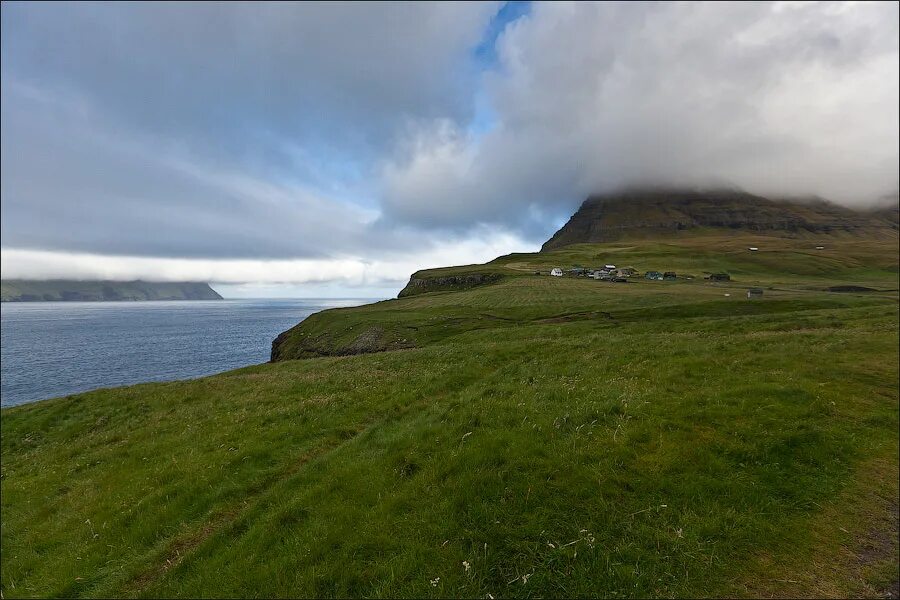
point(60, 290)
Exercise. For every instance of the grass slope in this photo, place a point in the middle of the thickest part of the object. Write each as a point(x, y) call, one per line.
point(791, 269)
point(538, 437)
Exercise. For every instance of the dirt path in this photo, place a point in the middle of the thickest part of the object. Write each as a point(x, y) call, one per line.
point(852, 549)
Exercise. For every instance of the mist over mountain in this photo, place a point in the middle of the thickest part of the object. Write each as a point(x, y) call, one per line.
point(653, 211)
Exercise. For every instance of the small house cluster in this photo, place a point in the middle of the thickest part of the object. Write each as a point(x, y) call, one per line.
point(615, 274)
point(611, 273)
point(607, 273)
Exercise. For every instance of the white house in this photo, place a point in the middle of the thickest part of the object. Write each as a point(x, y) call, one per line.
point(753, 249)
point(556, 272)
point(609, 267)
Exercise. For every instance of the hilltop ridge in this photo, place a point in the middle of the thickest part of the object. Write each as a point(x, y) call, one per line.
point(653, 212)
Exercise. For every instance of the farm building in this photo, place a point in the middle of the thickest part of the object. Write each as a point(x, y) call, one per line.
point(753, 249)
point(669, 276)
point(754, 293)
point(609, 267)
point(719, 277)
point(556, 272)
point(654, 275)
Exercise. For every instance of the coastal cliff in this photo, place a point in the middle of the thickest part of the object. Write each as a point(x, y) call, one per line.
point(420, 284)
point(57, 290)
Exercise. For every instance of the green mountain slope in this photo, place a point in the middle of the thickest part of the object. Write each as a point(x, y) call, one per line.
point(643, 213)
point(20, 290)
point(531, 436)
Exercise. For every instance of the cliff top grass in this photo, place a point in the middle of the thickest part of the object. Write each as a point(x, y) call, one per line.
point(779, 258)
point(791, 270)
point(531, 437)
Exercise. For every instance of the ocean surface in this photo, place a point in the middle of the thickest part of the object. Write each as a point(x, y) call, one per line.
point(50, 349)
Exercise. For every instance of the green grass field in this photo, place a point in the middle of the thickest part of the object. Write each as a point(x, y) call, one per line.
point(533, 437)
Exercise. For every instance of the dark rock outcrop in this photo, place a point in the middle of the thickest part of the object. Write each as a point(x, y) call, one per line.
point(309, 339)
point(420, 285)
point(641, 213)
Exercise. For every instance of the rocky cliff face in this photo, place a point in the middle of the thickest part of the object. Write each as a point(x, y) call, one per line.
point(300, 342)
point(420, 285)
point(654, 212)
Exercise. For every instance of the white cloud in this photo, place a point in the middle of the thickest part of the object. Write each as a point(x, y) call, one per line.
point(218, 75)
point(344, 144)
point(389, 272)
point(72, 181)
point(779, 99)
point(219, 130)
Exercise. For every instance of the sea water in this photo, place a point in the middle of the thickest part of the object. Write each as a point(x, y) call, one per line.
point(51, 349)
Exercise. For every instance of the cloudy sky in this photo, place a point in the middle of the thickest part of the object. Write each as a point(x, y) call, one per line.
point(332, 149)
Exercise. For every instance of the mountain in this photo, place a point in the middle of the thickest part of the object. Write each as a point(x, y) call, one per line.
point(22, 290)
point(887, 207)
point(654, 212)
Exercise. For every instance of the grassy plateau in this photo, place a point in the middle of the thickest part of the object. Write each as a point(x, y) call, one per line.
point(530, 437)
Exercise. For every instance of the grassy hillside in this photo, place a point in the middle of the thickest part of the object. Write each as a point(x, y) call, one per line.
point(20, 290)
point(791, 269)
point(534, 436)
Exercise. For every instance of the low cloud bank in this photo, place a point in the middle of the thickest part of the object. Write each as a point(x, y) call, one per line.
point(390, 272)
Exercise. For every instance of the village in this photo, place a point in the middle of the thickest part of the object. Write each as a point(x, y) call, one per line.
point(614, 274)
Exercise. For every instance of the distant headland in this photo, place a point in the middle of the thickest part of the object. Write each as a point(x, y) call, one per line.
point(60, 290)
